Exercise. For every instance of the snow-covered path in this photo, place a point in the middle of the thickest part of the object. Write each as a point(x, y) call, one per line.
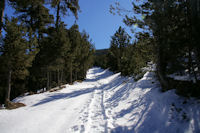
point(104, 103)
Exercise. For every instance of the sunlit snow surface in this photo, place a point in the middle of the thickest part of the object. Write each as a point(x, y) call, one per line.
point(104, 103)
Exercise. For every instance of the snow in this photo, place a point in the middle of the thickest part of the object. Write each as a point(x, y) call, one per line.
point(104, 103)
point(185, 77)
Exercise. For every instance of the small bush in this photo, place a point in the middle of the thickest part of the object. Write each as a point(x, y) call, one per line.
point(185, 88)
point(12, 105)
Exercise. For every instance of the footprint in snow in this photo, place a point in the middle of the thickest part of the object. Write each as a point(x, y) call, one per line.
point(80, 128)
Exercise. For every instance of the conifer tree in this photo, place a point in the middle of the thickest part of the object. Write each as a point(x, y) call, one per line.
point(75, 39)
point(49, 63)
point(15, 56)
point(173, 25)
point(62, 6)
point(119, 43)
point(2, 8)
point(61, 45)
point(34, 14)
point(86, 54)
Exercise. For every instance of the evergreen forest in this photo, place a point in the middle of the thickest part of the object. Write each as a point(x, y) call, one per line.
point(168, 38)
point(37, 51)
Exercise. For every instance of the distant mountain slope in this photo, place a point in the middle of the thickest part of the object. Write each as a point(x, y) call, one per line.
point(100, 59)
point(101, 52)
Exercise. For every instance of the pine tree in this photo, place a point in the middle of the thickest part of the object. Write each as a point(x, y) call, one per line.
point(61, 46)
point(140, 54)
point(34, 14)
point(75, 39)
point(119, 43)
point(86, 55)
point(62, 6)
point(2, 8)
point(173, 25)
point(49, 64)
point(15, 55)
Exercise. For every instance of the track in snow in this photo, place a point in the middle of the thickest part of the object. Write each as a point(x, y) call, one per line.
point(93, 117)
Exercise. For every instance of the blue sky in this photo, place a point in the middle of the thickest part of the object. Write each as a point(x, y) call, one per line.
point(96, 20)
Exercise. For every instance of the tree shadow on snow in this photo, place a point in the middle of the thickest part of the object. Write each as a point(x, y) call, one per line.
point(121, 129)
point(101, 74)
point(59, 96)
point(148, 114)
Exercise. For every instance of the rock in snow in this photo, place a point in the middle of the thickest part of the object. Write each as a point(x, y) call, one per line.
point(104, 103)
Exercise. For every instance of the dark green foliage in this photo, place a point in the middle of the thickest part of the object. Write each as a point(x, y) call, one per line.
point(61, 59)
point(141, 53)
point(127, 58)
point(35, 55)
point(101, 58)
point(101, 52)
point(62, 6)
point(35, 15)
point(15, 58)
point(117, 51)
point(48, 58)
point(81, 53)
point(3, 82)
point(174, 27)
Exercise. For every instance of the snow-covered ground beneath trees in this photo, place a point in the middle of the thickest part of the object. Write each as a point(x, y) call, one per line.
point(104, 103)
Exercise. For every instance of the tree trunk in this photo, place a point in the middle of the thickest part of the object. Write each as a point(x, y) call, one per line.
point(48, 80)
point(118, 64)
point(71, 72)
point(61, 77)
point(191, 67)
point(57, 14)
point(58, 78)
point(160, 72)
point(50, 77)
point(191, 42)
point(9, 85)
point(189, 61)
point(76, 75)
point(83, 76)
point(198, 60)
point(2, 7)
point(161, 68)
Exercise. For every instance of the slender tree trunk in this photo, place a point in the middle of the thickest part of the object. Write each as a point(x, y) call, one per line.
point(161, 68)
point(2, 8)
point(48, 80)
point(61, 77)
point(58, 14)
point(118, 64)
point(58, 77)
point(191, 67)
point(83, 76)
point(191, 40)
point(71, 72)
point(9, 85)
point(160, 72)
point(76, 75)
point(50, 77)
point(189, 61)
point(198, 60)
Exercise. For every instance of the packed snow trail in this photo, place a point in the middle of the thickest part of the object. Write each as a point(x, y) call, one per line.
point(104, 103)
